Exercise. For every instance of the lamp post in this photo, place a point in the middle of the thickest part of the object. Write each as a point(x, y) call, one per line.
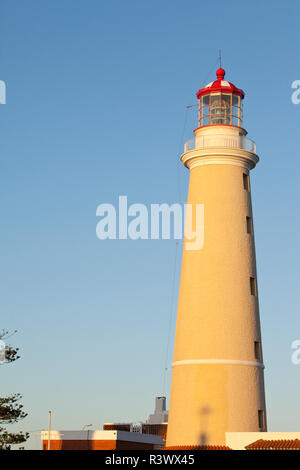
point(86, 426)
point(49, 430)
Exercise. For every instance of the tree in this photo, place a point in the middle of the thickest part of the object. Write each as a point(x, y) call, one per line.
point(7, 353)
point(10, 410)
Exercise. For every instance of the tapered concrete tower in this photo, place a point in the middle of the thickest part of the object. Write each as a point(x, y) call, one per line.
point(217, 373)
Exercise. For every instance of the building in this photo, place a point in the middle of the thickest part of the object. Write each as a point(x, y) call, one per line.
point(218, 372)
point(141, 428)
point(160, 414)
point(100, 440)
point(252, 441)
point(156, 424)
point(199, 447)
point(261, 440)
point(129, 440)
point(150, 435)
point(282, 444)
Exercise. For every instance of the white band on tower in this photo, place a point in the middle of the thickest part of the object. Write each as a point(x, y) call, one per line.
point(218, 361)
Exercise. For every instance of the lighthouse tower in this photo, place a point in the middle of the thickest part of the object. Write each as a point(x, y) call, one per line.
point(217, 372)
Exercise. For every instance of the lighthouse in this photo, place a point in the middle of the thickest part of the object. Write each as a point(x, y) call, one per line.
point(217, 371)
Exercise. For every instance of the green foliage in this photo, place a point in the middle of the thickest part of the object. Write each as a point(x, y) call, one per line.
point(10, 410)
point(8, 438)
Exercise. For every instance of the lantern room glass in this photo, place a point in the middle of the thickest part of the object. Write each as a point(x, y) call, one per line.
point(220, 108)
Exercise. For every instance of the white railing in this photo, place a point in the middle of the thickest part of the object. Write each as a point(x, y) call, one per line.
point(189, 145)
point(239, 142)
point(136, 427)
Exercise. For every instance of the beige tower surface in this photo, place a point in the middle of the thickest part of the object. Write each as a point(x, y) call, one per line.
point(217, 373)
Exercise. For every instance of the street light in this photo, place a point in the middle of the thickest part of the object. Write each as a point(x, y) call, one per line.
point(86, 426)
point(49, 430)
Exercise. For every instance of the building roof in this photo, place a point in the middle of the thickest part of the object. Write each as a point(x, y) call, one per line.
point(203, 447)
point(220, 85)
point(280, 444)
point(99, 435)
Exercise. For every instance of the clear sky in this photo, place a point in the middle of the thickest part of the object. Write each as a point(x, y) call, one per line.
point(96, 99)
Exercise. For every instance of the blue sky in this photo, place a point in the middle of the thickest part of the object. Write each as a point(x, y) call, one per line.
point(96, 99)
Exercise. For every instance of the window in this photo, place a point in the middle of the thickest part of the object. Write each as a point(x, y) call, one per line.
point(236, 111)
point(215, 109)
point(253, 286)
point(261, 419)
point(249, 225)
point(205, 111)
point(220, 108)
point(226, 109)
point(257, 350)
point(246, 182)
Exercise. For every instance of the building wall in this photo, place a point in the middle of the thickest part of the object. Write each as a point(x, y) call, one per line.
point(116, 427)
point(101, 440)
point(96, 445)
point(153, 429)
point(68, 444)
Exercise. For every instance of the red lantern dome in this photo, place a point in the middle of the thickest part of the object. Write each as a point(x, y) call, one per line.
point(220, 102)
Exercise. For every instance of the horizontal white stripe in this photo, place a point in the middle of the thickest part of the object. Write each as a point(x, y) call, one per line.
point(220, 161)
point(218, 361)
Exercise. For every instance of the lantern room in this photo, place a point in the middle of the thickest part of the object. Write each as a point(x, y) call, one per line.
point(220, 103)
